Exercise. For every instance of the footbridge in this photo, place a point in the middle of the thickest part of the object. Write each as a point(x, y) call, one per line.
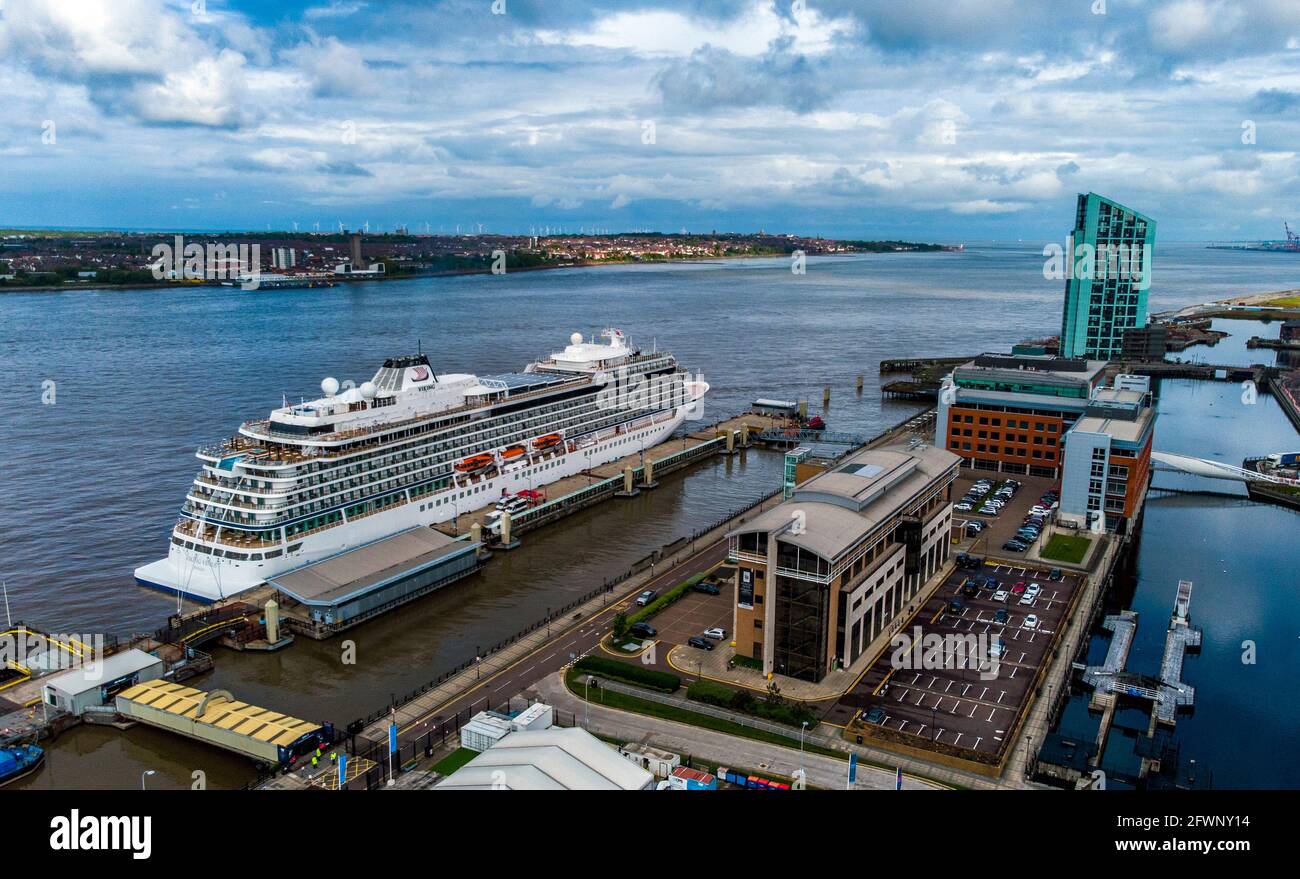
point(1214, 469)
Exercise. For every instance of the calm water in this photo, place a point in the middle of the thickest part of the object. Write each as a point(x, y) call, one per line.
point(1241, 559)
point(89, 486)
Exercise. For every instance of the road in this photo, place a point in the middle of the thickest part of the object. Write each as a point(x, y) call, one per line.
point(822, 772)
point(557, 652)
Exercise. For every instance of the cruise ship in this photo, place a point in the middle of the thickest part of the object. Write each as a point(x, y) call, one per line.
point(410, 448)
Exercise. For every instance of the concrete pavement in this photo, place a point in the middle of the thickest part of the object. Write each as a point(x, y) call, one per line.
point(823, 772)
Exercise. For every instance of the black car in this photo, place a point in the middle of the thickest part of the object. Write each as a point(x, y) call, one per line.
point(643, 630)
point(1055, 574)
point(969, 590)
point(1015, 546)
point(707, 588)
point(955, 606)
point(702, 643)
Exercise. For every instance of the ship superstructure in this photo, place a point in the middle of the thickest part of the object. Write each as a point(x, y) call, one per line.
point(410, 448)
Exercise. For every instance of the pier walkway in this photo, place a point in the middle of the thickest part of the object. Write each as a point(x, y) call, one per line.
point(1167, 692)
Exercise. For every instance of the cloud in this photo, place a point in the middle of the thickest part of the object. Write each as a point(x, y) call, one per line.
point(333, 68)
point(942, 118)
point(714, 78)
point(1275, 101)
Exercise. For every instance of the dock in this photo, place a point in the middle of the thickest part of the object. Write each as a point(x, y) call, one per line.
point(1167, 692)
point(1181, 638)
point(625, 476)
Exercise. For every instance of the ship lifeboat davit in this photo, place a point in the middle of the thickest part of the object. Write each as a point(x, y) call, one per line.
point(510, 453)
point(546, 442)
point(474, 463)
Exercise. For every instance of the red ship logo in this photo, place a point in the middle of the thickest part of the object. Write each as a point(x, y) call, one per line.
point(419, 373)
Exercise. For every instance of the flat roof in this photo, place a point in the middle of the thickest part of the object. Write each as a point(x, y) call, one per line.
point(1121, 429)
point(259, 724)
point(849, 501)
point(548, 759)
point(350, 574)
point(93, 675)
point(1032, 367)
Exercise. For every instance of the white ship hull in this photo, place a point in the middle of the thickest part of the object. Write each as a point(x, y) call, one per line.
point(206, 579)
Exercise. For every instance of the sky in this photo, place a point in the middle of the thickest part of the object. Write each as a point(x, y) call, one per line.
point(936, 120)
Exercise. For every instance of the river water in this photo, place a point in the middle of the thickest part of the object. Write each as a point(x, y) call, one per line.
point(89, 486)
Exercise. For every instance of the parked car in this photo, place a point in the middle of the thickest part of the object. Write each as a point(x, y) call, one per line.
point(1055, 574)
point(700, 643)
point(969, 590)
point(963, 507)
point(707, 588)
point(992, 583)
point(1015, 546)
point(1027, 598)
point(1031, 622)
point(955, 606)
point(873, 715)
point(1001, 615)
point(966, 561)
point(1034, 589)
point(1000, 595)
point(997, 648)
point(717, 633)
point(646, 597)
point(643, 630)
point(974, 528)
point(1019, 588)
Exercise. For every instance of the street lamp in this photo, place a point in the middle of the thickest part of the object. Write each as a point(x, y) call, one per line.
point(477, 660)
point(586, 702)
point(803, 726)
point(147, 772)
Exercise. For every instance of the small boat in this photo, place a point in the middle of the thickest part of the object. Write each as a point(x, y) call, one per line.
point(512, 452)
point(17, 762)
point(547, 441)
point(475, 463)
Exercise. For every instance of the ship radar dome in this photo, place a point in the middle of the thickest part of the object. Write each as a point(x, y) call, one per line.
point(329, 387)
point(575, 339)
point(368, 390)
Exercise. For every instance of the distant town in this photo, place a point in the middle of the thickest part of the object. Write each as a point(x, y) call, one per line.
point(54, 259)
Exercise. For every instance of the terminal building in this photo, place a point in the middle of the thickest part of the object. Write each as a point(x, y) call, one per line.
point(823, 574)
point(1008, 413)
point(1108, 456)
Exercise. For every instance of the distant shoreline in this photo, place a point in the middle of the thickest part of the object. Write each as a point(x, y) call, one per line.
point(450, 273)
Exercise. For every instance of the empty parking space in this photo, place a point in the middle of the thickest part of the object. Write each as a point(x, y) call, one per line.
point(695, 612)
point(954, 686)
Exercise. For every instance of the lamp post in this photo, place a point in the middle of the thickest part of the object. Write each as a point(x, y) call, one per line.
point(143, 775)
point(586, 702)
point(803, 726)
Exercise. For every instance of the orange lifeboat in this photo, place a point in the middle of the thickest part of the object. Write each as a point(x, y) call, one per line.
point(546, 442)
point(512, 452)
point(474, 463)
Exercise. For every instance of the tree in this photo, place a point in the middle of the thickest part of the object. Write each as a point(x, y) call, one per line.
point(619, 626)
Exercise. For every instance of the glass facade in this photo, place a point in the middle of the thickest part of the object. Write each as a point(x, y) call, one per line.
point(799, 642)
point(1110, 273)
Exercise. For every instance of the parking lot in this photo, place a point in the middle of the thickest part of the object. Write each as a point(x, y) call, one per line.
point(1001, 527)
point(695, 612)
point(960, 693)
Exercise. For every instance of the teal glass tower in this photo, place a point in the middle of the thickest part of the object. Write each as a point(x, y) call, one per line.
point(1111, 297)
